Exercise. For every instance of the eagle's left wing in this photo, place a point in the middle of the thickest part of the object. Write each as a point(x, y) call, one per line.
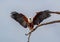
point(40, 16)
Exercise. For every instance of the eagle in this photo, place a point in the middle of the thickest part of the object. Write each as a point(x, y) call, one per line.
point(27, 22)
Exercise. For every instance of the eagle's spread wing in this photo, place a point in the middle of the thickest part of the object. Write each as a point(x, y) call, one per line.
point(20, 18)
point(40, 16)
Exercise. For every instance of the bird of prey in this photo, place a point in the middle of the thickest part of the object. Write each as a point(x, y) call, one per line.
point(37, 19)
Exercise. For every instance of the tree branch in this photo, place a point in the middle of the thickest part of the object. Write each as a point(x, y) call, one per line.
point(57, 21)
point(29, 37)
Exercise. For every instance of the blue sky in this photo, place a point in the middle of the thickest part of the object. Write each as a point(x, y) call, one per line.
point(11, 31)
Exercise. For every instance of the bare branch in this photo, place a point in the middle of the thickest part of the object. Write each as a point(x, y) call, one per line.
point(29, 37)
point(55, 12)
point(57, 21)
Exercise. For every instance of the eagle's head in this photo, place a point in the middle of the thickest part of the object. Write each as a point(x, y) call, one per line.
point(30, 20)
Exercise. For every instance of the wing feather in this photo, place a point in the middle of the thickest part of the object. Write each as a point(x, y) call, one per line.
point(40, 16)
point(20, 18)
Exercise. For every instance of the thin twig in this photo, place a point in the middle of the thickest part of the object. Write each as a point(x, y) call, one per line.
point(57, 21)
point(29, 37)
point(55, 12)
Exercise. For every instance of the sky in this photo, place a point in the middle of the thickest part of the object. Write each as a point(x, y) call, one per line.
point(11, 31)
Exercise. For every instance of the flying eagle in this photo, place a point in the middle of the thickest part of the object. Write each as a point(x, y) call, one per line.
point(37, 19)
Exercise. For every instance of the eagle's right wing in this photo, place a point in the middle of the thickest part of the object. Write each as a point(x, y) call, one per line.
point(20, 18)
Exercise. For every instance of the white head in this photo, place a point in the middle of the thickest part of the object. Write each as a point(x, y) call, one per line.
point(30, 20)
